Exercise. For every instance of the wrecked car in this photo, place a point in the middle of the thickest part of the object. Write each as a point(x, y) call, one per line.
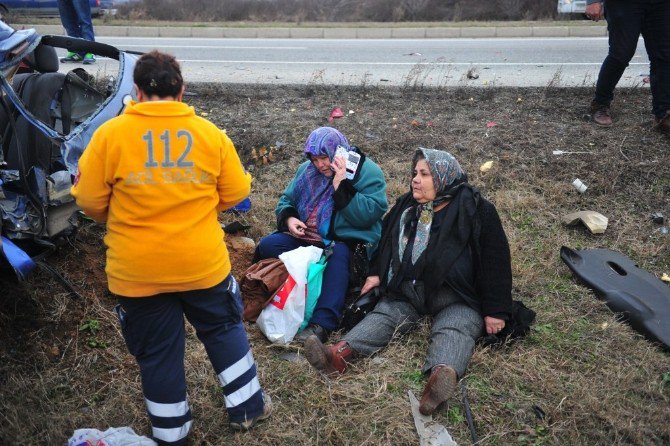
point(46, 120)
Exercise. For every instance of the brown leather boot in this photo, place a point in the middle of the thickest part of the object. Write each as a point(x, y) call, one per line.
point(439, 388)
point(601, 114)
point(663, 124)
point(327, 359)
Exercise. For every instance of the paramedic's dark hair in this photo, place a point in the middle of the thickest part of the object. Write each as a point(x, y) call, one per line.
point(158, 74)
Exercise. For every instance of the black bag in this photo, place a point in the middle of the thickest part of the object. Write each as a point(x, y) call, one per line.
point(358, 306)
point(517, 327)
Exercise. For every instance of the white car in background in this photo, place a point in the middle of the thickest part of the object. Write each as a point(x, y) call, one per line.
point(571, 6)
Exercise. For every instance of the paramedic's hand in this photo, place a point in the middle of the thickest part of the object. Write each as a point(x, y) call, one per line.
point(296, 227)
point(493, 325)
point(594, 11)
point(370, 283)
point(339, 166)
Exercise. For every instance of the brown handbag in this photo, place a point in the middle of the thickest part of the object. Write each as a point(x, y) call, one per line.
point(259, 283)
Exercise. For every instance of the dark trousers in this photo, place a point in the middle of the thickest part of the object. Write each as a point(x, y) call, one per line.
point(626, 20)
point(328, 310)
point(153, 328)
point(75, 15)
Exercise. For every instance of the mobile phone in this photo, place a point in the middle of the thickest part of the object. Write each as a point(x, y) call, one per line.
point(353, 159)
point(341, 151)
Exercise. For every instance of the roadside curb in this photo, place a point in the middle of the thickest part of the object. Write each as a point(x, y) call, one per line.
point(338, 33)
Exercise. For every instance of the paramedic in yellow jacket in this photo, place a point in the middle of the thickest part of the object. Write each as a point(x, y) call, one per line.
point(158, 175)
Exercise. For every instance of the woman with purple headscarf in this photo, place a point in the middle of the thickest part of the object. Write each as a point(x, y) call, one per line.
point(322, 207)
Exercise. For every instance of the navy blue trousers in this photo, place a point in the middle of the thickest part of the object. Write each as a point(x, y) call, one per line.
point(76, 18)
point(626, 20)
point(153, 328)
point(328, 310)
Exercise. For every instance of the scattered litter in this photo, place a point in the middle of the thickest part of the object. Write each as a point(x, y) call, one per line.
point(539, 413)
point(657, 217)
point(459, 146)
point(335, 113)
point(291, 357)
point(491, 124)
point(430, 432)
point(370, 135)
point(604, 325)
point(468, 413)
point(645, 78)
point(518, 100)
point(594, 221)
point(235, 227)
point(665, 278)
point(383, 80)
point(243, 244)
point(579, 185)
point(472, 74)
point(413, 54)
point(114, 436)
point(637, 295)
point(663, 230)
point(204, 114)
point(486, 166)
point(263, 155)
point(351, 112)
point(563, 152)
point(279, 144)
point(292, 110)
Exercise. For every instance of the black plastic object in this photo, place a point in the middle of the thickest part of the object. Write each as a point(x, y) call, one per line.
point(639, 296)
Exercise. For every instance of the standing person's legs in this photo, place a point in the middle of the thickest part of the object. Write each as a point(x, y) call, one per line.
point(624, 25)
point(328, 310)
point(274, 244)
point(153, 328)
point(216, 314)
point(656, 33)
point(82, 10)
point(68, 17)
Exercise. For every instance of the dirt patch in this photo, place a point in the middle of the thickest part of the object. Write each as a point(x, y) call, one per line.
point(597, 381)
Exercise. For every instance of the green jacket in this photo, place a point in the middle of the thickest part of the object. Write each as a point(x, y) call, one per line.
point(359, 205)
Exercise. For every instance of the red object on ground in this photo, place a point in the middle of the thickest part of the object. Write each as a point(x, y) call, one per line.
point(335, 113)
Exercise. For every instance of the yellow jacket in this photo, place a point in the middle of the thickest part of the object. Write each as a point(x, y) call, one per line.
point(158, 175)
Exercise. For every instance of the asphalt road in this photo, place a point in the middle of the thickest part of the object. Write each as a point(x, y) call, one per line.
point(520, 62)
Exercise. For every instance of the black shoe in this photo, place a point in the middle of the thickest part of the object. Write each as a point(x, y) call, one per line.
point(663, 124)
point(312, 329)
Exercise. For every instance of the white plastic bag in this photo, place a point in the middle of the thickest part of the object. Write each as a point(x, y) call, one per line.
point(114, 436)
point(280, 319)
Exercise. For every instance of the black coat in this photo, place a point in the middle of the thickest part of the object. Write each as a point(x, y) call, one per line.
point(469, 253)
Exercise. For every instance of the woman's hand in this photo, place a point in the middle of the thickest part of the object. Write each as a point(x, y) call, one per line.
point(339, 166)
point(370, 283)
point(296, 227)
point(493, 325)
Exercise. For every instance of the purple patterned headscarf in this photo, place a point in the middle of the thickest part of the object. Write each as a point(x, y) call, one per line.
point(314, 190)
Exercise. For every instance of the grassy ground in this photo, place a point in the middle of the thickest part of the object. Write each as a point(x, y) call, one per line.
point(63, 364)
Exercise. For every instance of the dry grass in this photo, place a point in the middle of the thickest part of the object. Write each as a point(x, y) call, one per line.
point(597, 381)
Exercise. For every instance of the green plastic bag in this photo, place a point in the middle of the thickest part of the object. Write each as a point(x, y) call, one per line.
point(314, 282)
